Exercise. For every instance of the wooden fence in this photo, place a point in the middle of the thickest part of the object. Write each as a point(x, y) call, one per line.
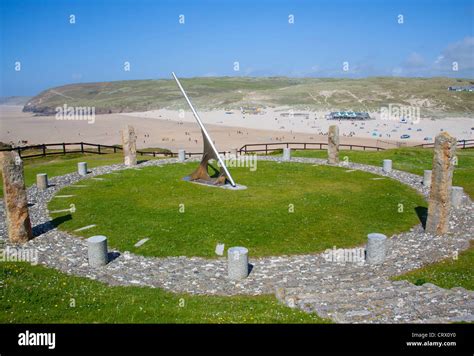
point(462, 144)
point(269, 147)
point(49, 149)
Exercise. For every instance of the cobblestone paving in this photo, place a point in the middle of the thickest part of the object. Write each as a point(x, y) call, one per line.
point(344, 292)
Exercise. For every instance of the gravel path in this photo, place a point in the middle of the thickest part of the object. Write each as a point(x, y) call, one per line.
point(346, 293)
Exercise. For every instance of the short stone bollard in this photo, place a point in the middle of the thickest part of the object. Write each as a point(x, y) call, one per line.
point(457, 195)
point(427, 178)
point(387, 165)
point(97, 251)
point(286, 154)
point(42, 181)
point(234, 152)
point(82, 168)
point(376, 248)
point(238, 263)
point(181, 155)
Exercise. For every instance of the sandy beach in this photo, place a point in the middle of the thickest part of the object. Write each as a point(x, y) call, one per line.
point(230, 129)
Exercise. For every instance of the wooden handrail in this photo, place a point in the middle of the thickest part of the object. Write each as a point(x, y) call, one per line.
point(246, 148)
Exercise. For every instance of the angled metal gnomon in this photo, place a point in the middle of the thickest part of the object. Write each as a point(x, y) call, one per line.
point(210, 151)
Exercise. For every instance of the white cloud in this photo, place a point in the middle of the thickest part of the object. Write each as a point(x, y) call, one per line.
point(461, 52)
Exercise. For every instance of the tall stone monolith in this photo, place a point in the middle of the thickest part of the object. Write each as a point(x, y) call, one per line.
point(441, 180)
point(129, 144)
point(333, 144)
point(16, 202)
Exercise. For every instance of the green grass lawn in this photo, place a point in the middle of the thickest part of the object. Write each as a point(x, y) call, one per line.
point(35, 294)
point(448, 273)
point(331, 208)
point(414, 160)
point(59, 165)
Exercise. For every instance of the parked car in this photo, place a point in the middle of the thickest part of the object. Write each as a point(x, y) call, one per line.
point(427, 138)
point(404, 136)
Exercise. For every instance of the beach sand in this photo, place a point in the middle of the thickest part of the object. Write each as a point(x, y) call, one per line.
point(174, 130)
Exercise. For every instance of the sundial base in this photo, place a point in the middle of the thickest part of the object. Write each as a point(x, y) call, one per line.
point(213, 183)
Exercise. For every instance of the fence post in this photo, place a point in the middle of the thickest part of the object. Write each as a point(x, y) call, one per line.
point(98, 148)
point(64, 148)
point(464, 144)
point(266, 149)
point(115, 149)
point(44, 150)
point(82, 147)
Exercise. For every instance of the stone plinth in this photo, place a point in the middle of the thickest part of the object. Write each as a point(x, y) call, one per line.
point(234, 152)
point(16, 202)
point(376, 248)
point(238, 263)
point(457, 196)
point(387, 165)
point(333, 144)
point(82, 168)
point(441, 181)
point(97, 251)
point(42, 181)
point(181, 155)
point(427, 178)
point(286, 154)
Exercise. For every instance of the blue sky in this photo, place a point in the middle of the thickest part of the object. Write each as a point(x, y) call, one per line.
point(257, 34)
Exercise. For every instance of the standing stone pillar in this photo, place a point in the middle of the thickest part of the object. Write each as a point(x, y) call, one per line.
point(427, 178)
point(286, 154)
point(16, 202)
point(42, 181)
point(333, 144)
point(129, 144)
point(439, 201)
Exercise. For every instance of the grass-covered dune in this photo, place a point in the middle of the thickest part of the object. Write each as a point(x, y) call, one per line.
point(367, 94)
